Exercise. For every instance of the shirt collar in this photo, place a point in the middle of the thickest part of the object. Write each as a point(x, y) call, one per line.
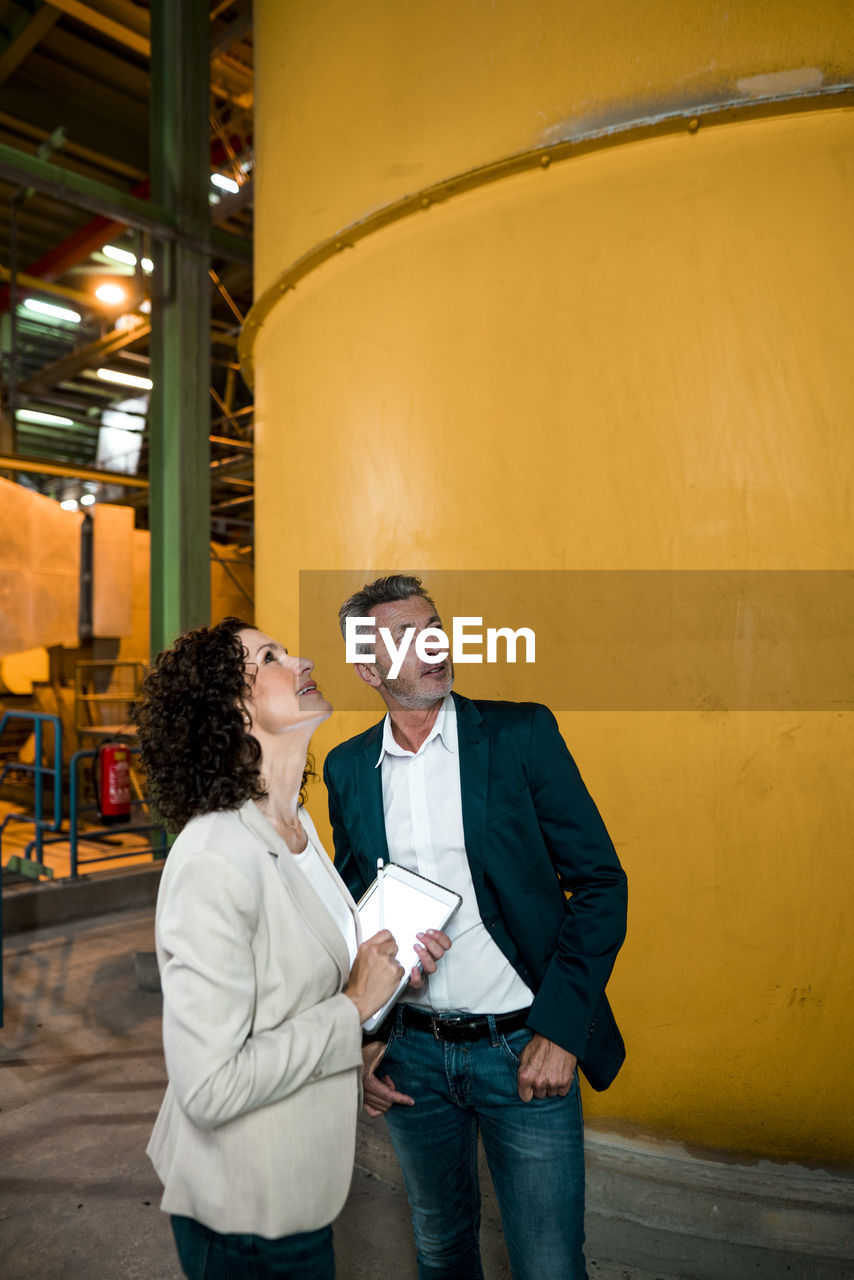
point(444, 728)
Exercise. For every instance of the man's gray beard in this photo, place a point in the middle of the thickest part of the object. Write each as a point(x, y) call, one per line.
point(417, 702)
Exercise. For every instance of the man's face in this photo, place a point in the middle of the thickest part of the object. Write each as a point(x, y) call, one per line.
point(418, 684)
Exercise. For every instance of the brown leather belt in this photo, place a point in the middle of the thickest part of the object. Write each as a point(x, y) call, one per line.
point(461, 1026)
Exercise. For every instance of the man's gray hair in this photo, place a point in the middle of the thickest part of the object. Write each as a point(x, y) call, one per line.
point(397, 586)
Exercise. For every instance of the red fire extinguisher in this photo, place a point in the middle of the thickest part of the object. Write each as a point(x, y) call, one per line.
point(112, 782)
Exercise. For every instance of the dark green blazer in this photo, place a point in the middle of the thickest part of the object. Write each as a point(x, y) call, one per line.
point(532, 832)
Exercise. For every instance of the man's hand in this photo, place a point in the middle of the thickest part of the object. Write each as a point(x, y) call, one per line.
point(430, 948)
point(379, 1094)
point(545, 1070)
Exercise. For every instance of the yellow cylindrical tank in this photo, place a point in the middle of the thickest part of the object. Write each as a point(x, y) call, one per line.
point(636, 357)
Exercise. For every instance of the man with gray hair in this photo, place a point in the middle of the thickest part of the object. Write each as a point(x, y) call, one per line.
point(484, 798)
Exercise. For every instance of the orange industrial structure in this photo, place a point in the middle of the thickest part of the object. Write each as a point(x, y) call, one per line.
point(563, 286)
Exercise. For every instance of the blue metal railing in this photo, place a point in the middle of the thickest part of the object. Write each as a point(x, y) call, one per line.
point(40, 771)
point(34, 851)
point(158, 846)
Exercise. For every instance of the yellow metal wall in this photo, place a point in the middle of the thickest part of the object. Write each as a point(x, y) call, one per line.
point(39, 570)
point(362, 101)
point(639, 358)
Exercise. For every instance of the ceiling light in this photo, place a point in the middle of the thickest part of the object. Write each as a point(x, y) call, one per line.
point(126, 258)
point(70, 504)
point(116, 254)
point(50, 309)
point(125, 379)
point(225, 183)
point(112, 294)
point(87, 500)
point(48, 419)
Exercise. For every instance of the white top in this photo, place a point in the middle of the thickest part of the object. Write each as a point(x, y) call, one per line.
point(321, 882)
point(422, 801)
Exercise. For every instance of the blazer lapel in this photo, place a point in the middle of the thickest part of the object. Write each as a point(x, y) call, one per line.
point(473, 742)
point(368, 797)
point(310, 907)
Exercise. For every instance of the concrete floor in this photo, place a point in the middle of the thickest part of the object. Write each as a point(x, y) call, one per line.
point(81, 1077)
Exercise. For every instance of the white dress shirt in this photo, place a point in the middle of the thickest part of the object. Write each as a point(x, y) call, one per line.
point(422, 801)
point(317, 875)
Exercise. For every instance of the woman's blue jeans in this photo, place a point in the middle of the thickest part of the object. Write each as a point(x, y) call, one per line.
point(207, 1255)
point(535, 1152)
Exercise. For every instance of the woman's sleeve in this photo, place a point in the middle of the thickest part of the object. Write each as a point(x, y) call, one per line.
point(217, 1069)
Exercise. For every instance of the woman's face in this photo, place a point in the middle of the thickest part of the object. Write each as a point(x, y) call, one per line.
point(283, 696)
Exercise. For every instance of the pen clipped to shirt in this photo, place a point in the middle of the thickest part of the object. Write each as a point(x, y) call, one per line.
point(380, 897)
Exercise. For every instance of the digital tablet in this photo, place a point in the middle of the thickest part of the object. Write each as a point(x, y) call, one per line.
point(411, 904)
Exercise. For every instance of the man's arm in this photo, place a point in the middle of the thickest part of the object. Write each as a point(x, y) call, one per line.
point(586, 862)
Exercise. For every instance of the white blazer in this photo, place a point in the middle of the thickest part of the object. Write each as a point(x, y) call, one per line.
point(257, 1130)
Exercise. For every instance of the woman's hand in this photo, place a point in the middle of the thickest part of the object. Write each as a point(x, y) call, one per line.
point(375, 974)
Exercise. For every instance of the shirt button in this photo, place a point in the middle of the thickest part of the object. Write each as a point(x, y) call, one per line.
point(317, 1073)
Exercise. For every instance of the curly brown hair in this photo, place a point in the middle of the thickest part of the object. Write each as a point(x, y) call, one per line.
point(194, 746)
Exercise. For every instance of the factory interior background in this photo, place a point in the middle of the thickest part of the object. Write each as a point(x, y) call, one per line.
point(549, 291)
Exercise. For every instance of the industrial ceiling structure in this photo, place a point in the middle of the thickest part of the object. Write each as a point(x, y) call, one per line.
point(77, 282)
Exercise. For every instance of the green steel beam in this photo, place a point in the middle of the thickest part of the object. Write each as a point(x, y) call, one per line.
point(92, 356)
point(21, 169)
point(225, 245)
point(179, 456)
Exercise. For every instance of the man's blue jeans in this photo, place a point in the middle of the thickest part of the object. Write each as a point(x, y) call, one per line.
point(535, 1152)
point(209, 1255)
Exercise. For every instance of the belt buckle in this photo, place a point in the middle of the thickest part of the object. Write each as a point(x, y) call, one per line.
point(436, 1023)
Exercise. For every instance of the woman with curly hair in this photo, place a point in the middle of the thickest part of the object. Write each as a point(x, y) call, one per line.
point(265, 978)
